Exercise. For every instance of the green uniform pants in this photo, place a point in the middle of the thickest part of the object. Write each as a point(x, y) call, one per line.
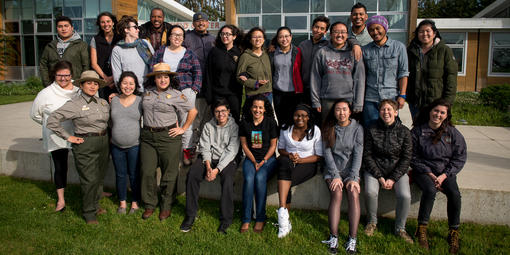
point(91, 159)
point(159, 149)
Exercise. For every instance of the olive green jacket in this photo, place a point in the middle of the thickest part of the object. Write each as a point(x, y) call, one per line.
point(255, 68)
point(77, 53)
point(436, 79)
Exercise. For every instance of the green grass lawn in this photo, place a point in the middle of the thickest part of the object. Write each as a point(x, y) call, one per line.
point(29, 225)
point(16, 99)
point(468, 107)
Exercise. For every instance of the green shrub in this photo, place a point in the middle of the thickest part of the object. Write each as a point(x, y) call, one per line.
point(31, 86)
point(497, 96)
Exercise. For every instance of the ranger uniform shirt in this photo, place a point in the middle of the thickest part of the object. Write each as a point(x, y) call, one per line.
point(160, 108)
point(88, 114)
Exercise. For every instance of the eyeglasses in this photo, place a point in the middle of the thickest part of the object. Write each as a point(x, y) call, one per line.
point(177, 35)
point(221, 112)
point(284, 36)
point(338, 32)
point(62, 75)
point(135, 27)
point(226, 34)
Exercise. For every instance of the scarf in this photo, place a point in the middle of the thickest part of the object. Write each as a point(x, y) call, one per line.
point(141, 47)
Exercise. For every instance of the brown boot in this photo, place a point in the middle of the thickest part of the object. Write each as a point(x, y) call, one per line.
point(453, 241)
point(421, 235)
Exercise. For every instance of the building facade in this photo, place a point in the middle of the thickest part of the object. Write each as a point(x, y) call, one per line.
point(31, 24)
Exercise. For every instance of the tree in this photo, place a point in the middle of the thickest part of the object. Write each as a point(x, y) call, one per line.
point(451, 8)
point(214, 8)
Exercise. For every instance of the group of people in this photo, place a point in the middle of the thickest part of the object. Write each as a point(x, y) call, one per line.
point(158, 92)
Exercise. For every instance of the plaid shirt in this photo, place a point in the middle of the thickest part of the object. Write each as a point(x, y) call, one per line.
point(188, 70)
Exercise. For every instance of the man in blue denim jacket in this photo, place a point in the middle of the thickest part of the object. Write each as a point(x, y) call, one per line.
point(386, 69)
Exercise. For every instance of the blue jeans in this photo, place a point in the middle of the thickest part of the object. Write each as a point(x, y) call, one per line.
point(370, 113)
point(256, 181)
point(126, 161)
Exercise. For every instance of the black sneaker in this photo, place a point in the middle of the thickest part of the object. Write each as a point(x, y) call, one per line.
point(223, 228)
point(187, 223)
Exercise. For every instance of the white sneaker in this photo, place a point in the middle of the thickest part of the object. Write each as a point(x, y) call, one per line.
point(350, 246)
point(284, 226)
point(332, 243)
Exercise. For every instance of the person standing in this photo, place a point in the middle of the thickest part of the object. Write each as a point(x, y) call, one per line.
point(343, 151)
point(386, 69)
point(186, 64)
point(68, 46)
point(47, 101)
point(439, 154)
point(387, 154)
point(358, 29)
point(432, 68)
point(101, 47)
point(336, 74)
point(156, 30)
point(221, 69)
point(89, 115)
point(219, 144)
point(131, 53)
point(200, 41)
point(286, 71)
point(161, 138)
point(126, 113)
point(254, 68)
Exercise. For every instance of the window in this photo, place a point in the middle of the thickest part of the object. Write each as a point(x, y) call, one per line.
point(500, 54)
point(458, 43)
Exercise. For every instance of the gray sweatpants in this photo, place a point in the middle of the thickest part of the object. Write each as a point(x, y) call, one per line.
point(402, 193)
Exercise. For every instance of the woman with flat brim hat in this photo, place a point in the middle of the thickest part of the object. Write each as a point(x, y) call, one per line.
point(160, 139)
point(89, 115)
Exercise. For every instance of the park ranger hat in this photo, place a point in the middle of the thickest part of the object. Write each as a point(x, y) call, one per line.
point(161, 68)
point(90, 75)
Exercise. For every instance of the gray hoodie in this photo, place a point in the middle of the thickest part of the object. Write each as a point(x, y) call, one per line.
point(62, 45)
point(344, 159)
point(337, 75)
point(220, 143)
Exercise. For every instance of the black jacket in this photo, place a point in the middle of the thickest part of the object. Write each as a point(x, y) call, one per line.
point(446, 156)
point(387, 150)
point(221, 73)
point(104, 51)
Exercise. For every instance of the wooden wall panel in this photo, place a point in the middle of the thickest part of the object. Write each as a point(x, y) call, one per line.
point(413, 15)
point(483, 59)
point(467, 82)
point(230, 12)
point(125, 7)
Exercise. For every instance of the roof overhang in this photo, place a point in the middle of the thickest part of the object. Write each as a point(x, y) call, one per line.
point(177, 8)
point(471, 23)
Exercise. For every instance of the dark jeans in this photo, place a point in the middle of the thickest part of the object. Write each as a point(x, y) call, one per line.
point(255, 182)
point(196, 175)
point(60, 162)
point(297, 174)
point(428, 196)
point(126, 162)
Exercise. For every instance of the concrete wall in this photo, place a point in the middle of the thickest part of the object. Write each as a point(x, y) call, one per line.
point(481, 206)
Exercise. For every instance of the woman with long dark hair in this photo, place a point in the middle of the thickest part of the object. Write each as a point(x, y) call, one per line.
point(439, 153)
point(221, 69)
point(300, 148)
point(101, 47)
point(343, 150)
point(432, 68)
point(254, 68)
point(258, 133)
point(47, 101)
point(187, 66)
point(286, 70)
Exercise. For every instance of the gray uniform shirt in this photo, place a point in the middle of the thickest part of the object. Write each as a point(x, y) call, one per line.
point(126, 123)
point(160, 108)
point(88, 114)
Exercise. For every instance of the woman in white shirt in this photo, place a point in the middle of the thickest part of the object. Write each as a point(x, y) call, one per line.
point(48, 100)
point(300, 148)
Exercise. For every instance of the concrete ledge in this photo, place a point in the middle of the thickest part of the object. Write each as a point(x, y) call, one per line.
point(478, 205)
